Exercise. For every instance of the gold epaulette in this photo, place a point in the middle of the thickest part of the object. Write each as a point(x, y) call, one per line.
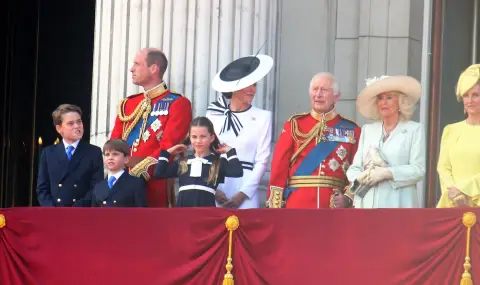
point(297, 115)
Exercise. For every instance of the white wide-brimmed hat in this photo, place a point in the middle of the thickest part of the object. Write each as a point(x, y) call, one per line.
point(242, 73)
point(367, 100)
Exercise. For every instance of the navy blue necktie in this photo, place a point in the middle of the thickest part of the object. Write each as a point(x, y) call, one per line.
point(111, 180)
point(70, 151)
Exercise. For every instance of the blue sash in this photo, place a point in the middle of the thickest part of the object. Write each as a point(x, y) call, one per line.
point(161, 105)
point(318, 154)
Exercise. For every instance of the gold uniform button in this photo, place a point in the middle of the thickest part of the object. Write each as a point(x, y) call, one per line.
point(75, 185)
point(134, 149)
point(322, 173)
point(60, 185)
point(104, 202)
point(58, 200)
point(74, 200)
point(114, 202)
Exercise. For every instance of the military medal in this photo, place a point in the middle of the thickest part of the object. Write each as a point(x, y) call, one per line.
point(165, 109)
point(333, 164)
point(341, 152)
point(154, 110)
point(156, 125)
point(145, 136)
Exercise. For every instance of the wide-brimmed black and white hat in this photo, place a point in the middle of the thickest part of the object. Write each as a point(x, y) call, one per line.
point(242, 73)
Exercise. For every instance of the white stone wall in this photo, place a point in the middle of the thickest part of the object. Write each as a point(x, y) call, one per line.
point(373, 38)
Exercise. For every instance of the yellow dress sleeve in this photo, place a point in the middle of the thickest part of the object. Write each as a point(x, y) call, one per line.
point(444, 169)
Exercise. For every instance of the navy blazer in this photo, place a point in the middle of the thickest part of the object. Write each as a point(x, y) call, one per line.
point(66, 183)
point(128, 191)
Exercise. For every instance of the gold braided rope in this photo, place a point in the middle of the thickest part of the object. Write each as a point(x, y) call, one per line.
point(313, 133)
point(120, 110)
point(298, 135)
point(141, 111)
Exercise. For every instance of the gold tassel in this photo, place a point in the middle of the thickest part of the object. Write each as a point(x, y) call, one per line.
point(469, 220)
point(231, 224)
point(3, 221)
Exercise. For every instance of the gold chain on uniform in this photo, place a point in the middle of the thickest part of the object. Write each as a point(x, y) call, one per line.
point(142, 110)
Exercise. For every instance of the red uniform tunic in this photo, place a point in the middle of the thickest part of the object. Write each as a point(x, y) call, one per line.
point(168, 117)
point(310, 160)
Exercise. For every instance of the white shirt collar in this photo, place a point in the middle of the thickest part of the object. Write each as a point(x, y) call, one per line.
point(117, 175)
point(74, 144)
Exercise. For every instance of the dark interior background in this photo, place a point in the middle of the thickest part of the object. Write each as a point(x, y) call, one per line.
point(46, 56)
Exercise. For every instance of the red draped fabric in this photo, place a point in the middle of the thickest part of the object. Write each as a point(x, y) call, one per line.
point(272, 246)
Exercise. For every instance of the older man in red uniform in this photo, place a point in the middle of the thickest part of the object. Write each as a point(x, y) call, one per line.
point(151, 121)
point(313, 153)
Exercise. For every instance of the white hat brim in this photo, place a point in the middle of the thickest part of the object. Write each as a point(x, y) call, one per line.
point(366, 101)
point(266, 63)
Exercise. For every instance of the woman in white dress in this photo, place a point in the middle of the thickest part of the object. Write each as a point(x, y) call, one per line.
point(243, 127)
point(391, 153)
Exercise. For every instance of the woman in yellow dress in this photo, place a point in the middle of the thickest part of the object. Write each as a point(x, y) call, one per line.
point(459, 160)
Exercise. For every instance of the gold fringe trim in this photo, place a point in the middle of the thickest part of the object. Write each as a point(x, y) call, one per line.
point(231, 224)
point(3, 221)
point(469, 220)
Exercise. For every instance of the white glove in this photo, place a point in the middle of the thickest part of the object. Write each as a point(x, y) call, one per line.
point(379, 174)
point(362, 177)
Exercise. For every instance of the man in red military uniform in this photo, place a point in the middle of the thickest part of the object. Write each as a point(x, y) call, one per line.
point(151, 121)
point(313, 153)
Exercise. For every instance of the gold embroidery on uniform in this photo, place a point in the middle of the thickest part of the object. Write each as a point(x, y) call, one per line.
point(276, 197)
point(141, 111)
point(304, 139)
point(141, 169)
point(316, 181)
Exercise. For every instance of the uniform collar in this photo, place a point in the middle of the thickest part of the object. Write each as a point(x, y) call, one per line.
point(157, 90)
point(324, 116)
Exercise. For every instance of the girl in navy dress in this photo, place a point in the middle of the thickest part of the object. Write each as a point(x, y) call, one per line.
point(199, 174)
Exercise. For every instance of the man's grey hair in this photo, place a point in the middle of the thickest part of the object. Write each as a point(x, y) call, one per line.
point(335, 86)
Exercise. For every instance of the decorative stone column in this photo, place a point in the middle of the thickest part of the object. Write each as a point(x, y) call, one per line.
point(198, 37)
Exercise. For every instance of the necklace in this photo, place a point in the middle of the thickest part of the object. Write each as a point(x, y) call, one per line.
point(385, 133)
